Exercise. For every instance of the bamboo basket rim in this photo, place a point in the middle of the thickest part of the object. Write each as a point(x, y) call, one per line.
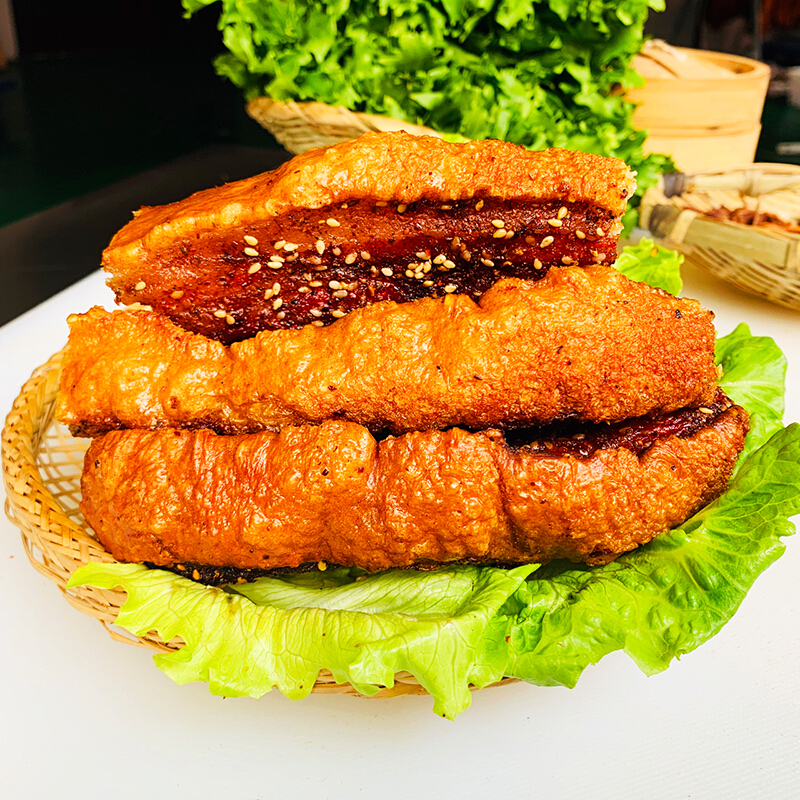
point(41, 473)
point(751, 68)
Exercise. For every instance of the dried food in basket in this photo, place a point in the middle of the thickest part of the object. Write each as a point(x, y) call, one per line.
point(708, 218)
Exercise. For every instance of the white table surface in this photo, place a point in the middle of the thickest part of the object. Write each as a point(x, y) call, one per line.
point(82, 716)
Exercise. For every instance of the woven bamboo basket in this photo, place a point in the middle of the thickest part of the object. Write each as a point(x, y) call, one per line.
point(302, 126)
point(761, 261)
point(42, 466)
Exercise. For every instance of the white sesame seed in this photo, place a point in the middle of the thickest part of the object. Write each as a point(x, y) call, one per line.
point(427, 283)
point(566, 260)
point(340, 295)
point(315, 284)
point(450, 288)
point(279, 245)
point(466, 255)
point(276, 288)
point(562, 212)
point(381, 203)
point(177, 294)
point(230, 320)
point(446, 208)
point(251, 240)
point(276, 257)
point(409, 273)
point(401, 208)
point(600, 232)
point(509, 234)
point(479, 205)
point(317, 323)
point(426, 267)
point(705, 410)
point(548, 240)
point(555, 223)
point(303, 289)
point(250, 251)
point(254, 268)
point(281, 315)
point(268, 294)
point(338, 314)
point(139, 286)
point(537, 264)
point(275, 264)
point(276, 304)
point(320, 246)
point(333, 223)
point(440, 259)
point(334, 284)
point(487, 262)
point(315, 260)
point(499, 234)
point(220, 314)
point(289, 247)
point(498, 223)
point(424, 255)
point(337, 251)
point(387, 271)
point(315, 312)
point(449, 264)
point(580, 234)
point(350, 258)
point(365, 255)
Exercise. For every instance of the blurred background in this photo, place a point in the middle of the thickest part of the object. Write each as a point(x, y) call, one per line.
point(95, 95)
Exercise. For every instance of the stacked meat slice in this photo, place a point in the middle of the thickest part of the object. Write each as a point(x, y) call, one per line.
point(393, 352)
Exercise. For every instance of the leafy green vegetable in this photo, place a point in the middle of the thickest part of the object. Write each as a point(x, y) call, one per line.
point(540, 73)
point(242, 648)
point(648, 263)
point(470, 625)
point(668, 597)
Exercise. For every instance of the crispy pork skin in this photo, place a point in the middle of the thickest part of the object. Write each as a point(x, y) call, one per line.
point(384, 217)
point(333, 493)
point(583, 344)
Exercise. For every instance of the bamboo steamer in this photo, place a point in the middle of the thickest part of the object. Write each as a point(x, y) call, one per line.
point(702, 108)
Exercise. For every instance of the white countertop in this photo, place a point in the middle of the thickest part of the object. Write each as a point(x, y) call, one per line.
point(82, 716)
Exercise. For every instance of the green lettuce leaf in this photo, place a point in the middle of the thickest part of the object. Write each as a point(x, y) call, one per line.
point(242, 648)
point(465, 626)
point(647, 262)
point(759, 390)
point(668, 597)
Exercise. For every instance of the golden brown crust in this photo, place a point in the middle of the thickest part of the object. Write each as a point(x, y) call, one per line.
point(332, 493)
point(581, 343)
point(382, 166)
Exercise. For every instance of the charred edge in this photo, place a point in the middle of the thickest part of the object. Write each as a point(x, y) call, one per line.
point(636, 435)
point(211, 575)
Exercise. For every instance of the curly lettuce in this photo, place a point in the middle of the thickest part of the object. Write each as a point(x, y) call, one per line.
point(540, 73)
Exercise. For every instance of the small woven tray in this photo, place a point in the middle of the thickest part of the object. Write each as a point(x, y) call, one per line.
point(761, 261)
point(42, 466)
point(302, 126)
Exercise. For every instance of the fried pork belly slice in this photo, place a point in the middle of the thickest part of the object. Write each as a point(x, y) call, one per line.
point(333, 493)
point(384, 217)
point(581, 343)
